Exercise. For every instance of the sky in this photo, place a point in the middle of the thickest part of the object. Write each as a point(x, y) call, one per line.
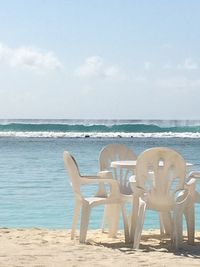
point(100, 59)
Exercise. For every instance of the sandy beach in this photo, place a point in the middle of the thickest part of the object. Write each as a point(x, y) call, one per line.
point(53, 248)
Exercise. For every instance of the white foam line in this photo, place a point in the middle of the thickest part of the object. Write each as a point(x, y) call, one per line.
point(98, 135)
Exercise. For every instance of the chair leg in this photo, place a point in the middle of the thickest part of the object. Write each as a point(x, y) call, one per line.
point(162, 229)
point(165, 223)
point(85, 215)
point(75, 218)
point(190, 220)
point(134, 216)
point(104, 220)
point(178, 226)
point(125, 220)
point(139, 224)
point(113, 216)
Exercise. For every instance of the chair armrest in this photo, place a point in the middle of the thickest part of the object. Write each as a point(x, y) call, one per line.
point(187, 195)
point(88, 179)
point(101, 177)
point(194, 177)
point(107, 178)
point(194, 174)
point(181, 196)
point(137, 191)
point(97, 179)
point(190, 185)
point(106, 174)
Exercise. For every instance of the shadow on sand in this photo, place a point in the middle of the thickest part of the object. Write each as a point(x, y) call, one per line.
point(149, 243)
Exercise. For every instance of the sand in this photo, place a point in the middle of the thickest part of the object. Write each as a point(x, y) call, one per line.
point(52, 248)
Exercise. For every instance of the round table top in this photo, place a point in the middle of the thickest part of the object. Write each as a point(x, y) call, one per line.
point(131, 164)
point(123, 164)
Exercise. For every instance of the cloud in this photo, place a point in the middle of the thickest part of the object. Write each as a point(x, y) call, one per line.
point(178, 83)
point(148, 65)
point(28, 57)
point(95, 67)
point(188, 64)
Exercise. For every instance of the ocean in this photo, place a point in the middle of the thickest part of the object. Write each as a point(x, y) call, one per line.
point(35, 189)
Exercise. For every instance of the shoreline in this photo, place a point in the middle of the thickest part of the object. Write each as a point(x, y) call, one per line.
point(43, 247)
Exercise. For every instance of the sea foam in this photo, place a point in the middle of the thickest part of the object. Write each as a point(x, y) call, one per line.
point(51, 134)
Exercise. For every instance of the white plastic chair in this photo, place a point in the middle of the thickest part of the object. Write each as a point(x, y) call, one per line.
point(160, 185)
point(88, 203)
point(116, 152)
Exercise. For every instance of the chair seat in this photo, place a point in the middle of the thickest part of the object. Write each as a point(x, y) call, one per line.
point(92, 200)
point(127, 198)
point(160, 204)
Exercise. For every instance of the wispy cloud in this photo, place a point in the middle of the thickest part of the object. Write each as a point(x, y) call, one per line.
point(28, 57)
point(178, 83)
point(188, 64)
point(95, 67)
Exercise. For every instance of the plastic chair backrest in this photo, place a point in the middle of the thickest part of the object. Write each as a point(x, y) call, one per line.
point(115, 152)
point(73, 170)
point(161, 172)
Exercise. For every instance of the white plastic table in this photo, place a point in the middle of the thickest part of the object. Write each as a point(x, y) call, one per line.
point(128, 164)
point(131, 164)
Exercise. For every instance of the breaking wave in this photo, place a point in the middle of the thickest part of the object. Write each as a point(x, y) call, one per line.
point(99, 128)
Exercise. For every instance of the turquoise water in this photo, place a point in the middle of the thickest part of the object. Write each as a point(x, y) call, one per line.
point(99, 128)
point(35, 189)
point(127, 127)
